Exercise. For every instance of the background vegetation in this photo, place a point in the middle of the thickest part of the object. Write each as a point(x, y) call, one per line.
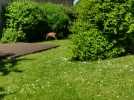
point(26, 17)
point(26, 20)
point(58, 18)
point(113, 20)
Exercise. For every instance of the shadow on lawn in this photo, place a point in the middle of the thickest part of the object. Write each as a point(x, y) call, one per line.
point(8, 65)
point(2, 93)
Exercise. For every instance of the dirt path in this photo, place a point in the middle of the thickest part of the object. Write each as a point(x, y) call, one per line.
point(20, 49)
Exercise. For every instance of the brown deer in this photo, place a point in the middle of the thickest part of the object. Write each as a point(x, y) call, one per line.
point(50, 35)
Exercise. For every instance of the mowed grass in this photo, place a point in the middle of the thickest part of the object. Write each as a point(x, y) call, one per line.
point(51, 75)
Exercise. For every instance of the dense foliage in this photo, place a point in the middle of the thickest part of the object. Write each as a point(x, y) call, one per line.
point(113, 19)
point(24, 16)
point(57, 18)
point(13, 35)
point(92, 45)
point(31, 19)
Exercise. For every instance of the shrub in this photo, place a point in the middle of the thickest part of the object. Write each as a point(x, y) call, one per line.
point(80, 26)
point(57, 18)
point(28, 17)
point(113, 19)
point(92, 45)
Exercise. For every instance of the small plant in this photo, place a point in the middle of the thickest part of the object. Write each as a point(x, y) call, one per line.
point(12, 35)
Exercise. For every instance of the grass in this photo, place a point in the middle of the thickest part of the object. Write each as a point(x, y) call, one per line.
point(50, 75)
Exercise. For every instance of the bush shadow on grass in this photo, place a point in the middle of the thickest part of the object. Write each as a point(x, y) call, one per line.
point(3, 93)
point(8, 65)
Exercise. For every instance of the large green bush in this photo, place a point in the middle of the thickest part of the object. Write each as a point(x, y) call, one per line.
point(58, 18)
point(92, 45)
point(113, 19)
point(28, 17)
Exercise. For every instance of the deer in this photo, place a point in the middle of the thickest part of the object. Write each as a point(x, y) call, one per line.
point(50, 35)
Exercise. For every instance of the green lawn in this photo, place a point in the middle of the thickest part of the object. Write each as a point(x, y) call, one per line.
point(50, 75)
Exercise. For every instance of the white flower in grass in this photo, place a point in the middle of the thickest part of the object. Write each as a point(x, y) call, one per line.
point(64, 58)
point(131, 70)
point(117, 96)
point(84, 62)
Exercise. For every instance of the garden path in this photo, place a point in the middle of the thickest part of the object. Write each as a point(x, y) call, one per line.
point(14, 50)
